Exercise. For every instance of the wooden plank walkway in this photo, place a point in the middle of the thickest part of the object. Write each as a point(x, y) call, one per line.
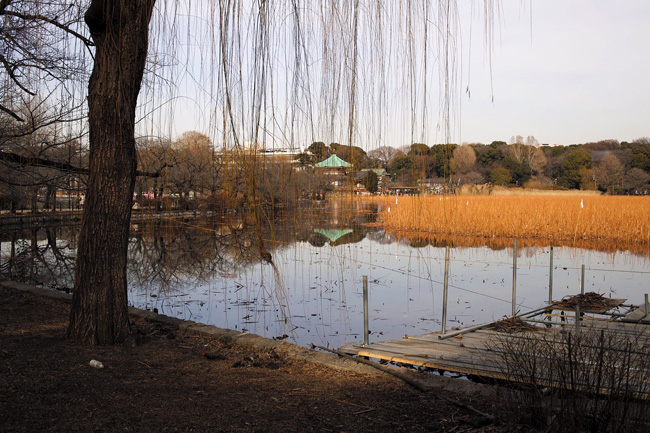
point(637, 316)
point(484, 352)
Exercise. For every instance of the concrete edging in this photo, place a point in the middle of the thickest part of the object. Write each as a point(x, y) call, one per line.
point(254, 341)
point(284, 348)
point(210, 331)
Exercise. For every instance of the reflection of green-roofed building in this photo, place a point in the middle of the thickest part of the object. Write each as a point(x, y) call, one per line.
point(336, 236)
point(333, 234)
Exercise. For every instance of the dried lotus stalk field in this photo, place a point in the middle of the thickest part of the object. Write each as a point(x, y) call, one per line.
point(606, 223)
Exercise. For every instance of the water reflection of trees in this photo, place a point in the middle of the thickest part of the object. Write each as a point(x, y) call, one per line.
point(337, 223)
point(177, 253)
point(44, 256)
point(171, 254)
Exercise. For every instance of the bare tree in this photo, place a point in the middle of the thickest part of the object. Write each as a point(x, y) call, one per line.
point(42, 68)
point(193, 165)
point(529, 153)
point(610, 174)
point(517, 139)
point(637, 181)
point(532, 141)
point(383, 155)
point(39, 53)
point(463, 160)
point(154, 154)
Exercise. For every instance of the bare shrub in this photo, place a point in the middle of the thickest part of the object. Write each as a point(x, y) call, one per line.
point(590, 380)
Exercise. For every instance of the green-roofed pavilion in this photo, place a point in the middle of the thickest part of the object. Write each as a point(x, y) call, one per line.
point(334, 162)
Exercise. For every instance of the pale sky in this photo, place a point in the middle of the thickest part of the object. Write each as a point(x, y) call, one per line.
point(583, 75)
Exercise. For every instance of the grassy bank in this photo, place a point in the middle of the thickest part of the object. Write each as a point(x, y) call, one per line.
point(601, 222)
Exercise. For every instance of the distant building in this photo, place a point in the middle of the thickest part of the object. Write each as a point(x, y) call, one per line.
point(383, 178)
point(287, 153)
point(378, 171)
point(404, 190)
point(434, 185)
point(262, 152)
point(334, 166)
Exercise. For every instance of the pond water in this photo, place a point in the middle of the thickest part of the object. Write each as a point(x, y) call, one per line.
point(310, 291)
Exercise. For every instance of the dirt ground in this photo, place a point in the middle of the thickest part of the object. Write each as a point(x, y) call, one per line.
point(166, 384)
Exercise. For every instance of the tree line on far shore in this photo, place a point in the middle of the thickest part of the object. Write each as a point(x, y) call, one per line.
point(191, 166)
point(610, 166)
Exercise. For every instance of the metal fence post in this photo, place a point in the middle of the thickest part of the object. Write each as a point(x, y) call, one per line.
point(550, 278)
point(514, 279)
point(444, 292)
point(366, 338)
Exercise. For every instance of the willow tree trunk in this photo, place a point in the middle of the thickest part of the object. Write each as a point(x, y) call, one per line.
point(119, 29)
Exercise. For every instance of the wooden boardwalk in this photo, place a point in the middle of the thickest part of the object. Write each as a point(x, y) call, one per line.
point(467, 353)
point(487, 353)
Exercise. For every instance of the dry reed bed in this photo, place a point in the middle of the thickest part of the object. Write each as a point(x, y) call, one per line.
point(604, 222)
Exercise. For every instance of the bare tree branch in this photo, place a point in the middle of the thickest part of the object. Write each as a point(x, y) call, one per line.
point(11, 113)
point(30, 184)
point(55, 23)
point(13, 77)
point(40, 162)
